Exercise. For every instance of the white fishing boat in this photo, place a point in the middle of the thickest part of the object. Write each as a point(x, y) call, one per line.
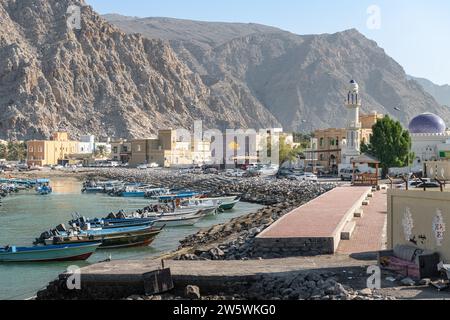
point(177, 221)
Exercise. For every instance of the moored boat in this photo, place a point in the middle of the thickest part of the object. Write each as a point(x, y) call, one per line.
point(114, 241)
point(48, 253)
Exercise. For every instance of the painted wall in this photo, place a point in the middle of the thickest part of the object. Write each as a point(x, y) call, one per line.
point(438, 169)
point(420, 218)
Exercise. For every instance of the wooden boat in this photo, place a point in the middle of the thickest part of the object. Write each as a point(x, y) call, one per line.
point(65, 252)
point(115, 240)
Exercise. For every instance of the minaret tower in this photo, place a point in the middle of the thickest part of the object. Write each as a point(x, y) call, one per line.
point(353, 104)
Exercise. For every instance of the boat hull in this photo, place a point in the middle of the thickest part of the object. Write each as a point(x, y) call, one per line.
point(228, 206)
point(67, 252)
point(136, 239)
point(178, 222)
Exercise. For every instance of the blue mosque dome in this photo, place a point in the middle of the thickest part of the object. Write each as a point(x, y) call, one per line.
point(427, 123)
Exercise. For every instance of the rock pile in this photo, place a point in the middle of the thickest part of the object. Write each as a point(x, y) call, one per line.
point(312, 285)
point(265, 191)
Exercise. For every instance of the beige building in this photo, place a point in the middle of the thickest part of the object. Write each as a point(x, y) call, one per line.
point(168, 150)
point(50, 152)
point(326, 147)
point(121, 151)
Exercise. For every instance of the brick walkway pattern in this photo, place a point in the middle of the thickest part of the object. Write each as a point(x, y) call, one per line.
point(369, 235)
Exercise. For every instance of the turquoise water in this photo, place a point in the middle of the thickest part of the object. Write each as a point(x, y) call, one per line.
point(24, 216)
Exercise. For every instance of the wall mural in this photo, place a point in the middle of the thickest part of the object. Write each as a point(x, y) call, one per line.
point(439, 227)
point(408, 224)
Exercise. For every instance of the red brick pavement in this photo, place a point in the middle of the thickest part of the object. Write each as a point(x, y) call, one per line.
point(370, 230)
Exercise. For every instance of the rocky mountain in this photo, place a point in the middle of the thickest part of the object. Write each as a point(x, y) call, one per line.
point(440, 93)
point(129, 77)
point(301, 80)
point(98, 79)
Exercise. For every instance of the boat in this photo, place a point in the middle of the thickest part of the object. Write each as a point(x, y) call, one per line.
point(174, 221)
point(47, 253)
point(114, 241)
point(223, 203)
point(44, 189)
point(111, 223)
point(227, 206)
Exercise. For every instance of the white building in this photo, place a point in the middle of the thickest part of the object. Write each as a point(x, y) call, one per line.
point(430, 139)
point(86, 144)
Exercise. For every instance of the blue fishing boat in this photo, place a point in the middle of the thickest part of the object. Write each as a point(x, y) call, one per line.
point(66, 252)
point(44, 189)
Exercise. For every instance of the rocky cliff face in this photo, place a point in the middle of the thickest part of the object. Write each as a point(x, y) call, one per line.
point(97, 80)
point(108, 82)
point(301, 80)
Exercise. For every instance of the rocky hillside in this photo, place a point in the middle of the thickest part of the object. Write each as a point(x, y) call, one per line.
point(99, 79)
point(440, 93)
point(301, 80)
point(107, 80)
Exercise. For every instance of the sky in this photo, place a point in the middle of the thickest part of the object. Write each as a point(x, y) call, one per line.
point(414, 32)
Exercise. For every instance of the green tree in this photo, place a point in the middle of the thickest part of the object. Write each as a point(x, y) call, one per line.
point(390, 143)
point(17, 151)
point(287, 153)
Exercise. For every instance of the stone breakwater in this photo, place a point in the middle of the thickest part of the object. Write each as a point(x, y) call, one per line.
point(314, 285)
point(265, 191)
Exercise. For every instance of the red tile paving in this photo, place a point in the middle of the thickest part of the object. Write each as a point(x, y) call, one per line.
point(318, 218)
point(369, 234)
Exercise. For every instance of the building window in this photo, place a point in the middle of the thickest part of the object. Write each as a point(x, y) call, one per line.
point(115, 150)
point(31, 149)
point(321, 142)
point(138, 148)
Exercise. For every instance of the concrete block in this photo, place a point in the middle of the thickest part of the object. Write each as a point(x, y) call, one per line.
point(359, 213)
point(348, 230)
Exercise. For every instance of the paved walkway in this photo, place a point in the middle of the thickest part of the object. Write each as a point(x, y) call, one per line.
point(370, 230)
point(128, 270)
point(322, 217)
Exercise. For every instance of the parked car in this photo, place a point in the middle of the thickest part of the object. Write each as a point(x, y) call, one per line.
point(347, 174)
point(307, 176)
point(142, 167)
point(236, 173)
point(154, 165)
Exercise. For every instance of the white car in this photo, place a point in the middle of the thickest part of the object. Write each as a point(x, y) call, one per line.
point(304, 177)
point(142, 167)
point(237, 173)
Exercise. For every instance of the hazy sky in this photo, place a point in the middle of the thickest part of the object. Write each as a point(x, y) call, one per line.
point(414, 32)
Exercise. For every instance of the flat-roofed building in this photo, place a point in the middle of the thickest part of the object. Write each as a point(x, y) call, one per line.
point(50, 152)
point(169, 150)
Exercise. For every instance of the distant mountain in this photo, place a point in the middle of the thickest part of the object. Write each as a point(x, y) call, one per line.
point(301, 80)
point(104, 81)
point(440, 93)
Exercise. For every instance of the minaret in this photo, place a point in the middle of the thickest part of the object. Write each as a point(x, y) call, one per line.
point(353, 103)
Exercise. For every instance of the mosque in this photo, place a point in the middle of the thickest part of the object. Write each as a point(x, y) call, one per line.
point(430, 139)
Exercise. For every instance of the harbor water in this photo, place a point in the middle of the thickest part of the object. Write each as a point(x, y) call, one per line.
point(24, 216)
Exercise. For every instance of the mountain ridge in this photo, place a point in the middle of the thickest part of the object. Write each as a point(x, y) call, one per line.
point(308, 93)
